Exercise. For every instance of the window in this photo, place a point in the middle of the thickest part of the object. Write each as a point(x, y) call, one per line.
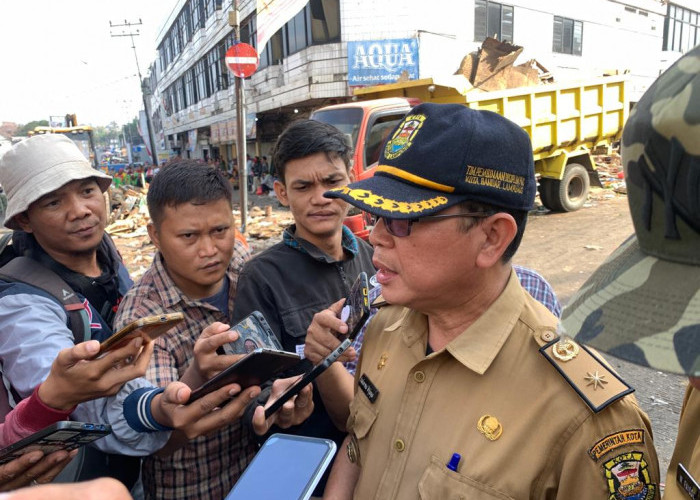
point(296, 33)
point(681, 29)
point(568, 36)
point(325, 21)
point(492, 19)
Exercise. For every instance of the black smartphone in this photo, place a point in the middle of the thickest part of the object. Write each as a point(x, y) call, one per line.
point(254, 333)
point(64, 435)
point(256, 367)
point(307, 378)
point(356, 309)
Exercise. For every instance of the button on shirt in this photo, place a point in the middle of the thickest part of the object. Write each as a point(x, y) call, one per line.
point(489, 395)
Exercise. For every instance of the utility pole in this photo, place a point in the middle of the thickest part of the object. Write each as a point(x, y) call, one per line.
point(146, 108)
point(240, 132)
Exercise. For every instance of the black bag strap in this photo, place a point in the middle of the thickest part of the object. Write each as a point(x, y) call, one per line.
point(26, 270)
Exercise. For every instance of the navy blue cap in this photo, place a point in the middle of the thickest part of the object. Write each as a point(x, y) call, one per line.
point(443, 154)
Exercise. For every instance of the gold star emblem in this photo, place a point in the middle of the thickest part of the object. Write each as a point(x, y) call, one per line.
point(596, 380)
point(382, 361)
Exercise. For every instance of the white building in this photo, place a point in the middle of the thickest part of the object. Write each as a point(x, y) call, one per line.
point(305, 65)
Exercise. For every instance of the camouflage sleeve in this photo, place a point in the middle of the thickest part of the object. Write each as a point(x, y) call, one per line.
point(610, 455)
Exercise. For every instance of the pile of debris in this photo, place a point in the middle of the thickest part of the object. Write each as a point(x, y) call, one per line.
point(129, 219)
point(491, 67)
point(610, 172)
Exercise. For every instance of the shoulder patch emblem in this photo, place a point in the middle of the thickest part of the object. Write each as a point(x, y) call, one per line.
point(403, 137)
point(628, 478)
point(614, 441)
point(594, 382)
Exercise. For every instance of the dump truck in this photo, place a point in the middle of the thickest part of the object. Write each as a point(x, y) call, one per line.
point(565, 122)
point(81, 135)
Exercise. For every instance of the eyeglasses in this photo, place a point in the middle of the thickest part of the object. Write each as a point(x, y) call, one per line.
point(402, 227)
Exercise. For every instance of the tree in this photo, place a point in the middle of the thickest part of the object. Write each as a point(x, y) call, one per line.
point(25, 129)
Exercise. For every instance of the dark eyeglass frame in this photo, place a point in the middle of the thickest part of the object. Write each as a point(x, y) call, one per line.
point(402, 227)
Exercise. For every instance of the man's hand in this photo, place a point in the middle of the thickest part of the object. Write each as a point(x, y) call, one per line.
point(33, 466)
point(207, 363)
point(104, 488)
point(321, 337)
point(293, 412)
point(77, 377)
point(205, 415)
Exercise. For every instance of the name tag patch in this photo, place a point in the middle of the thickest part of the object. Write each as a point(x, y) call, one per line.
point(368, 388)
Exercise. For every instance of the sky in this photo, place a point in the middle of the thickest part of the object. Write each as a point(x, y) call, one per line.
point(58, 57)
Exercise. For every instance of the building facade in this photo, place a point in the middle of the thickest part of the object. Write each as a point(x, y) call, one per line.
point(332, 45)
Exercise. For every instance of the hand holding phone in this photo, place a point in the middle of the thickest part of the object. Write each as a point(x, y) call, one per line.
point(64, 435)
point(254, 368)
point(307, 378)
point(149, 328)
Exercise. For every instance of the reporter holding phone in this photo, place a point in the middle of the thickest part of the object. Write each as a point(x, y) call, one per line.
point(57, 210)
point(195, 272)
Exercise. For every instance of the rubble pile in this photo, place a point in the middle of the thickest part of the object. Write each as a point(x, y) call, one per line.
point(129, 219)
point(610, 172)
point(491, 67)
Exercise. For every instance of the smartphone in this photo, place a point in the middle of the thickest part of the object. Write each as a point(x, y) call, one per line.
point(150, 328)
point(307, 378)
point(254, 333)
point(63, 435)
point(356, 309)
point(254, 368)
point(310, 456)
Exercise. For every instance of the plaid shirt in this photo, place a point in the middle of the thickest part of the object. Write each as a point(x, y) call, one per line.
point(209, 466)
point(530, 280)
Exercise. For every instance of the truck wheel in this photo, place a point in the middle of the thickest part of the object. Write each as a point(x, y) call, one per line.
point(568, 194)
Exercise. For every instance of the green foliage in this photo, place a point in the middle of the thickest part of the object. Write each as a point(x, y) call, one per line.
point(24, 129)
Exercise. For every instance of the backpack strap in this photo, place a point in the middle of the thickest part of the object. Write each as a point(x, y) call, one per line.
point(26, 270)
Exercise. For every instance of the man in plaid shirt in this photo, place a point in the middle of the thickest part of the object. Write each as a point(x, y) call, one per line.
point(195, 272)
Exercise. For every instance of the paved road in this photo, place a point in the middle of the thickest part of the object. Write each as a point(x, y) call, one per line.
point(566, 249)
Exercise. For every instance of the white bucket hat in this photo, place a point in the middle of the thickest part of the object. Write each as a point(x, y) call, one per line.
point(40, 165)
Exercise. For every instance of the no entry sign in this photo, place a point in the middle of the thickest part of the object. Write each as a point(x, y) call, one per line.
point(242, 60)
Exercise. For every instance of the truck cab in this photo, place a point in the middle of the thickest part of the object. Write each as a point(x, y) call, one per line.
point(366, 124)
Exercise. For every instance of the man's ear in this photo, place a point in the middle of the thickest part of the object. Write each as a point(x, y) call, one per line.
point(153, 234)
point(281, 192)
point(22, 221)
point(499, 231)
point(351, 174)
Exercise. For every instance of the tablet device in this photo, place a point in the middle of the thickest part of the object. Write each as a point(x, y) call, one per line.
point(307, 378)
point(285, 467)
point(150, 328)
point(254, 368)
point(63, 435)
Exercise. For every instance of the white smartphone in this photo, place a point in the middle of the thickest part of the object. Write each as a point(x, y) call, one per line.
point(297, 463)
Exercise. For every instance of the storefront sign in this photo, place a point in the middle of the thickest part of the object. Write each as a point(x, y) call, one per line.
point(382, 61)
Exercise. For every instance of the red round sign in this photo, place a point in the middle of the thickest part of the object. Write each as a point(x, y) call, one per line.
point(242, 59)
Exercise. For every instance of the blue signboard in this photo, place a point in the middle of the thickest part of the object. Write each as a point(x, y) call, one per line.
point(382, 61)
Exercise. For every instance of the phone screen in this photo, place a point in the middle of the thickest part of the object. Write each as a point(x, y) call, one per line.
point(294, 478)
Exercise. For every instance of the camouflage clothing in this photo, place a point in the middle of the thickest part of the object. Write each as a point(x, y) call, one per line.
point(643, 304)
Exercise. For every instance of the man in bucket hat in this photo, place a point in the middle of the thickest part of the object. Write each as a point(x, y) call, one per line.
point(464, 388)
point(643, 303)
point(56, 207)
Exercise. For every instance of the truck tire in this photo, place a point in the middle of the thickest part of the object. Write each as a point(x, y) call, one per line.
point(568, 194)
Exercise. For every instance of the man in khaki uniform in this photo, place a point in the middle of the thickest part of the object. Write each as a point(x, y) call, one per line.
point(643, 303)
point(464, 389)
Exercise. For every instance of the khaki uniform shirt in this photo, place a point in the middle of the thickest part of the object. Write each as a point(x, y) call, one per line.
point(520, 427)
point(687, 451)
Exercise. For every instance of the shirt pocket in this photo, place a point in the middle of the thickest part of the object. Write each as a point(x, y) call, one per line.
point(360, 423)
point(440, 483)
